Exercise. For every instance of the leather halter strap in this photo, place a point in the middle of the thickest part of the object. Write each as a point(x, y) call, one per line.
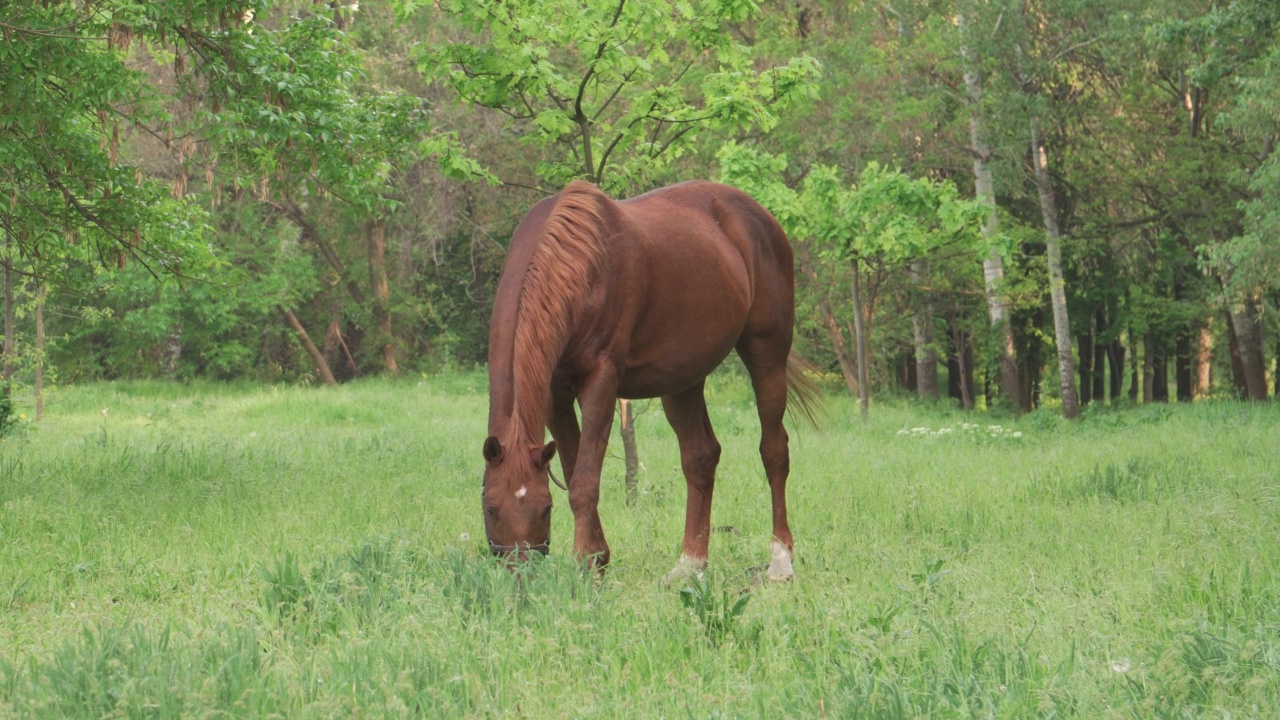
point(497, 549)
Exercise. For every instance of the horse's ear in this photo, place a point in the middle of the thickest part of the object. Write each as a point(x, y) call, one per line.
point(492, 450)
point(544, 457)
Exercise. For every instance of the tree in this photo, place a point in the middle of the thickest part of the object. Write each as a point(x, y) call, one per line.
point(886, 219)
point(998, 306)
point(610, 91)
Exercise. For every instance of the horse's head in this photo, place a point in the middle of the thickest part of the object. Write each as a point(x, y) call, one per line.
point(517, 498)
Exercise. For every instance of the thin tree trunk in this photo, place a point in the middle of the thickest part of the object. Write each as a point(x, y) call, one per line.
point(1238, 383)
point(322, 365)
point(1115, 358)
point(834, 334)
point(630, 452)
point(1057, 286)
point(1099, 372)
point(922, 329)
point(1099, 356)
point(964, 368)
point(39, 382)
point(1148, 366)
point(1275, 375)
point(1182, 366)
point(993, 265)
point(313, 236)
point(848, 368)
point(1204, 358)
point(1085, 341)
point(1160, 376)
point(10, 345)
point(864, 392)
point(377, 240)
point(1135, 384)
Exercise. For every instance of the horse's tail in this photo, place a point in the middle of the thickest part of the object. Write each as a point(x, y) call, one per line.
point(803, 393)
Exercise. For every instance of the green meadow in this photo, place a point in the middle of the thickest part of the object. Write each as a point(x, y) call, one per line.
point(243, 551)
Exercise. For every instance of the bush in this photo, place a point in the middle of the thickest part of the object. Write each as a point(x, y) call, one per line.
point(8, 415)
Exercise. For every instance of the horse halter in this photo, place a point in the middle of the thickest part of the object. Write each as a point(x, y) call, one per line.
point(497, 549)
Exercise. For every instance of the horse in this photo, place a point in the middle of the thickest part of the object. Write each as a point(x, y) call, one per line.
point(600, 300)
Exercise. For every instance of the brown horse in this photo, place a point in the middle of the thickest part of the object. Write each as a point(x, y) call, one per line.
point(601, 300)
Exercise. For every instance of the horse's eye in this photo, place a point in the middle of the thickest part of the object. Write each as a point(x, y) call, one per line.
point(546, 513)
point(491, 511)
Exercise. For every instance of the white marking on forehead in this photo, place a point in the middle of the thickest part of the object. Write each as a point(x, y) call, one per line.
point(521, 492)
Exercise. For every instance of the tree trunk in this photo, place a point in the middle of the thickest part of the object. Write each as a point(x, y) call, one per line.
point(41, 293)
point(1030, 375)
point(848, 368)
point(377, 239)
point(1099, 356)
point(1115, 358)
point(313, 236)
point(1204, 358)
point(864, 388)
point(10, 345)
point(1182, 366)
point(1238, 383)
point(1249, 336)
point(1160, 376)
point(922, 329)
point(993, 265)
point(629, 450)
point(1057, 286)
point(834, 334)
point(1148, 367)
point(322, 365)
point(1135, 382)
point(964, 366)
point(1086, 341)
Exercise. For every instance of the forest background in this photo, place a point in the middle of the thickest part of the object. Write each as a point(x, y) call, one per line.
point(1013, 204)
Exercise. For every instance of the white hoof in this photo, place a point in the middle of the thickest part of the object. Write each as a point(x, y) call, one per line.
point(780, 568)
point(686, 567)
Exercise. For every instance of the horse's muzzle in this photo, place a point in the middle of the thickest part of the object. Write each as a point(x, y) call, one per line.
point(519, 550)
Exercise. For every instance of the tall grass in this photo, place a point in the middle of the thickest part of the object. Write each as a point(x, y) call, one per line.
point(175, 551)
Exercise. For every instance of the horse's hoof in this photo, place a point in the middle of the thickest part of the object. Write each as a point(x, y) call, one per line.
point(596, 563)
point(686, 567)
point(780, 569)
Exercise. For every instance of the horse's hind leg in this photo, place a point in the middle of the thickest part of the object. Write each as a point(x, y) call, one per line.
point(769, 379)
point(699, 455)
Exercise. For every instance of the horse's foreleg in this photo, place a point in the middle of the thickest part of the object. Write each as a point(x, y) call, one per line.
point(699, 455)
point(596, 397)
point(563, 425)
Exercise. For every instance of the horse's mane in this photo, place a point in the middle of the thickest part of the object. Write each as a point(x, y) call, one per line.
point(559, 275)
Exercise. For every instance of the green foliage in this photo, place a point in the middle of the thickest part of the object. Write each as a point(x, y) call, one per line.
point(718, 612)
point(616, 91)
point(885, 215)
point(62, 102)
point(8, 415)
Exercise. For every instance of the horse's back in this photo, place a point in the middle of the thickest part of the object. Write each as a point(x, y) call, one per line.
point(703, 265)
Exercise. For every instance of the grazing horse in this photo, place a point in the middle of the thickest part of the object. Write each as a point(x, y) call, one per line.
point(601, 300)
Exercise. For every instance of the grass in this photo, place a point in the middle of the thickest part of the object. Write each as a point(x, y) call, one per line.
point(212, 551)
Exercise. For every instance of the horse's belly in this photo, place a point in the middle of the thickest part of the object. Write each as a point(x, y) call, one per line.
point(676, 362)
